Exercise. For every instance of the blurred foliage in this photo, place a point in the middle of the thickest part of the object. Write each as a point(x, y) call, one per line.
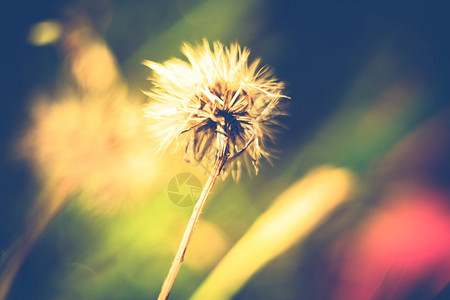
point(368, 96)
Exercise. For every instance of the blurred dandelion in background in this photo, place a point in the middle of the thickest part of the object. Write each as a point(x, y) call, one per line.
point(92, 142)
point(92, 145)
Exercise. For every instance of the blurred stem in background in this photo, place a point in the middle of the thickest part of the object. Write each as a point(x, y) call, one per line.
point(47, 207)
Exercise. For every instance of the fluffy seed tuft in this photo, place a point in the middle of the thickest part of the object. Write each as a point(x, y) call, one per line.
point(218, 92)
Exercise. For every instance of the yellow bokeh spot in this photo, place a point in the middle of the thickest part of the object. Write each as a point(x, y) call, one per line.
point(292, 216)
point(45, 33)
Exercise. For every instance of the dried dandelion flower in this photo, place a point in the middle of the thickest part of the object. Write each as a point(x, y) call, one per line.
point(221, 109)
point(218, 93)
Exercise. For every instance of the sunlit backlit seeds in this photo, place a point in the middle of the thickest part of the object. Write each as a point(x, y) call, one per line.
point(218, 92)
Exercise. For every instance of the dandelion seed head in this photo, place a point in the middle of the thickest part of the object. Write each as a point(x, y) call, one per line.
point(217, 92)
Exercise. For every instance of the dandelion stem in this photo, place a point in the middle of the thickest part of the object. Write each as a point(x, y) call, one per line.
point(221, 158)
point(40, 218)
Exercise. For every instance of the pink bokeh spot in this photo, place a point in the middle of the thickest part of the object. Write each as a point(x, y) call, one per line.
point(403, 244)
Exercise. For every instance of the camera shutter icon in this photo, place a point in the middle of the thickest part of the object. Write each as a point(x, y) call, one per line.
point(184, 189)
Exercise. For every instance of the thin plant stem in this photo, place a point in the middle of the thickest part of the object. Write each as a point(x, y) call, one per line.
point(40, 218)
point(221, 158)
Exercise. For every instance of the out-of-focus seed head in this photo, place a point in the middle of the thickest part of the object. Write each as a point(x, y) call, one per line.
point(94, 146)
